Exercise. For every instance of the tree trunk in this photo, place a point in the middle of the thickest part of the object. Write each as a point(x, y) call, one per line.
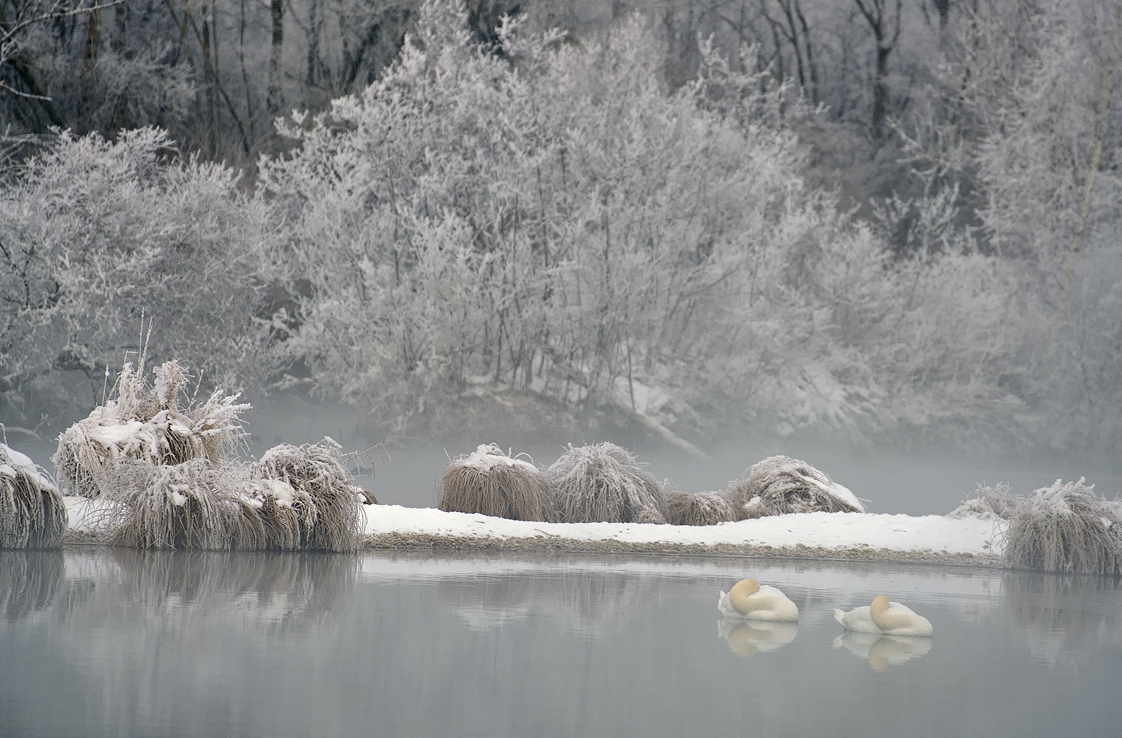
point(274, 99)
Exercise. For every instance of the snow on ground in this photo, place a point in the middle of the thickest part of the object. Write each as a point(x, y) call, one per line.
point(903, 534)
point(931, 533)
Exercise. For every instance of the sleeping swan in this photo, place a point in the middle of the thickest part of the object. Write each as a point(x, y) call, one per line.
point(890, 618)
point(747, 600)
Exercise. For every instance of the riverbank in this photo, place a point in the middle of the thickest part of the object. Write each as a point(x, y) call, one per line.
point(838, 536)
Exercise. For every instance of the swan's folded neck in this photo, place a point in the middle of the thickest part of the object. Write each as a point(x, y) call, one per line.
point(740, 597)
point(885, 620)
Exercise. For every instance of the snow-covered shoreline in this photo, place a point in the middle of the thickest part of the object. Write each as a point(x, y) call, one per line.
point(882, 537)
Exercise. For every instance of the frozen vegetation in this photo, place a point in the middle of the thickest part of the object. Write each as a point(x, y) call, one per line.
point(509, 226)
point(165, 478)
point(32, 514)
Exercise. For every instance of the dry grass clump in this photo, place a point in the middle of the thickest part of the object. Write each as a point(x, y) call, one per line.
point(146, 424)
point(32, 514)
point(489, 482)
point(779, 485)
point(988, 503)
point(330, 505)
point(1065, 528)
point(295, 498)
point(604, 483)
point(192, 505)
point(703, 508)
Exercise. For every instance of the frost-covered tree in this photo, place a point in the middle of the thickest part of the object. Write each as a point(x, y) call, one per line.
point(549, 218)
point(95, 236)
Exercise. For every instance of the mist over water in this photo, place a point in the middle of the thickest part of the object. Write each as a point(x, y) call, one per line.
point(891, 481)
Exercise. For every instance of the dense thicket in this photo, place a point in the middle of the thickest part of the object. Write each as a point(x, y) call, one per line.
point(630, 219)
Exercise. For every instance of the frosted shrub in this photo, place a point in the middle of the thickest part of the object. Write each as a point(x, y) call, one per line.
point(988, 503)
point(779, 485)
point(145, 423)
point(490, 482)
point(604, 483)
point(702, 508)
point(1065, 528)
point(323, 493)
point(32, 514)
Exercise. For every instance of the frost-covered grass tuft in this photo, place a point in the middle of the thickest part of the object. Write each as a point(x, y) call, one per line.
point(330, 505)
point(779, 485)
point(32, 514)
point(146, 424)
point(1065, 528)
point(988, 503)
point(193, 505)
point(490, 482)
point(703, 508)
point(604, 483)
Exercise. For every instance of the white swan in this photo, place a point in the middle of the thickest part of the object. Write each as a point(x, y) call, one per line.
point(884, 617)
point(881, 650)
point(747, 637)
point(748, 600)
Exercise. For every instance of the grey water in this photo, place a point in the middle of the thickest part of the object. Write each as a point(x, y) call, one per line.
point(121, 643)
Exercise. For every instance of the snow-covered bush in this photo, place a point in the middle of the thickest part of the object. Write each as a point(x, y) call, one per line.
point(988, 503)
point(32, 514)
point(779, 485)
point(490, 482)
point(701, 508)
point(146, 423)
point(1065, 528)
point(329, 505)
point(96, 234)
point(604, 483)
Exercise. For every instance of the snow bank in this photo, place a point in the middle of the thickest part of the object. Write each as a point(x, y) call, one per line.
point(883, 537)
point(930, 534)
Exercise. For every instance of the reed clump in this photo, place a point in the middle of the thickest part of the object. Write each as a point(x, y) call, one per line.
point(191, 505)
point(604, 483)
point(490, 482)
point(779, 485)
point(332, 517)
point(1065, 528)
point(145, 423)
point(169, 483)
point(32, 513)
point(702, 508)
point(988, 503)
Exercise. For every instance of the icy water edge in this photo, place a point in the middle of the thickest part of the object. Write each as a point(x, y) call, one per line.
point(119, 643)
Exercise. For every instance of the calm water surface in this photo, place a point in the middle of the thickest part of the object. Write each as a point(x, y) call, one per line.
point(116, 643)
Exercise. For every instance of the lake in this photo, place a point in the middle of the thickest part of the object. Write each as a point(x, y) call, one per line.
point(120, 643)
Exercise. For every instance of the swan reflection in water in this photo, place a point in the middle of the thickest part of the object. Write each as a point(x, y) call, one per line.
point(746, 638)
point(883, 651)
